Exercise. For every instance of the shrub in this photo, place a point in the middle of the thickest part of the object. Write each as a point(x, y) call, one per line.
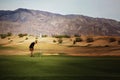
point(36, 38)
point(112, 39)
point(76, 35)
point(54, 41)
point(9, 34)
point(44, 35)
point(106, 46)
point(60, 40)
point(3, 36)
point(61, 36)
point(78, 39)
point(9, 38)
point(22, 35)
point(66, 36)
point(26, 38)
point(89, 40)
point(118, 42)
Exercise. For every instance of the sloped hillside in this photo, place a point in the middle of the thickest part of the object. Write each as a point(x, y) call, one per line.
point(41, 22)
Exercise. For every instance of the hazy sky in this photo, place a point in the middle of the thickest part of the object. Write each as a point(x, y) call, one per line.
point(94, 8)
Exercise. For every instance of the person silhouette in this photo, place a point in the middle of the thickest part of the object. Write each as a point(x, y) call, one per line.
point(31, 48)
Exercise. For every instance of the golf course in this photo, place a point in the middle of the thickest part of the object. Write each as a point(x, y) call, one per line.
point(59, 68)
point(59, 40)
point(53, 61)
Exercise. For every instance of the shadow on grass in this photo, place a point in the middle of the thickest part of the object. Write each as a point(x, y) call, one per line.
point(61, 78)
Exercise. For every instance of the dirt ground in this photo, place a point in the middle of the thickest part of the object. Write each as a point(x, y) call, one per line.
point(46, 46)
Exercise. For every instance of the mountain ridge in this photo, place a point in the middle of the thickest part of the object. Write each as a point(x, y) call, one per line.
point(46, 23)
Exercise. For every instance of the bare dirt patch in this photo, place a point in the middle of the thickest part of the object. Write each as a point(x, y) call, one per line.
point(20, 46)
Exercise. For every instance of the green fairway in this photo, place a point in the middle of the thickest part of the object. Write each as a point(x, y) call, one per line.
point(59, 68)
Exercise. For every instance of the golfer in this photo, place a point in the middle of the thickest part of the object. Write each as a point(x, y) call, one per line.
point(31, 48)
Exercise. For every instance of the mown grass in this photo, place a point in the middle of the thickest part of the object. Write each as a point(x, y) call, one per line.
point(59, 68)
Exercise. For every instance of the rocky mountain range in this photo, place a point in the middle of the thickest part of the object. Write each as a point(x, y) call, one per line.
point(37, 22)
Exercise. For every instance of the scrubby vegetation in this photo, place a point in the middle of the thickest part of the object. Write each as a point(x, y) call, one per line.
point(61, 36)
point(22, 35)
point(83, 41)
point(106, 46)
point(9, 34)
point(54, 41)
point(60, 40)
point(44, 35)
point(89, 40)
point(36, 38)
point(112, 39)
point(76, 35)
point(26, 38)
point(78, 39)
point(5, 35)
point(118, 42)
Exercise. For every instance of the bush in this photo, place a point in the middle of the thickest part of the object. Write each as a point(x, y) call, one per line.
point(3, 36)
point(9, 38)
point(44, 35)
point(22, 35)
point(26, 38)
point(89, 40)
point(61, 36)
point(60, 40)
point(112, 39)
point(106, 46)
point(118, 42)
point(78, 39)
point(9, 34)
point(54, 41)
point(76, 35)
point(36, 38)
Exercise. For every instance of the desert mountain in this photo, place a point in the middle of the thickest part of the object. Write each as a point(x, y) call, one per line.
point(41, 22)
